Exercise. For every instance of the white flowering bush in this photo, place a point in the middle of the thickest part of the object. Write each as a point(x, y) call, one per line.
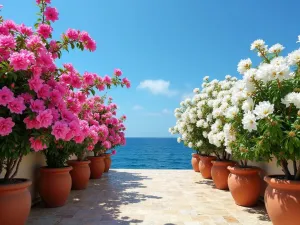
point(192, 124)
point(271, 118)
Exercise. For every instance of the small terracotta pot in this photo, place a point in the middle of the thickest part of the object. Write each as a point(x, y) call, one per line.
point(220, 173)
point(97, 166)
point(282, 200)
point(244, 185)
point(195, 162)
point(205, 165)
point(80, 174)
point(55, 185)
point(107, 161)
point(15, 202)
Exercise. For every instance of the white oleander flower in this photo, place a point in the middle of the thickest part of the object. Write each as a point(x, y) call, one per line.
point(291, 98)
point(259, 43)
point(196, 90)
point(206, 78)
point(190, 144)
point(248, 105)
point(244, 65)
point(277, 48)
point(232, 112)
point(179, 139)
point(249, 121)
point(294, 57)
point(263, 109)
point(204, 133)
point(199, 143)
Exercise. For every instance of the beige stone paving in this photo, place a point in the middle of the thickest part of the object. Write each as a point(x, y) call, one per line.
point(150, 197)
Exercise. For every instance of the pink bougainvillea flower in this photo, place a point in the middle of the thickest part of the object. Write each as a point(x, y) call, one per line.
point(60, 130)
point(17, 105)
point(25, 30)
point(55, 96)
point(35, 83)
point(27, 97)
point(118, 72)
point(72, 34)
point(107, 79)
point(11, 25)
point(113, 152)
point(6, 125)
point(1, 6)
point(45, 30)
point(51, 14)
point(46, 1)
point(88, 78)
point(106, 144)
point(6, 96)
point(37, 144)
point(21, 60)
point(37, 105)
point(45, 118)
point(32, 123)
point(126, 82)
point(7, 41)
point(44, 91)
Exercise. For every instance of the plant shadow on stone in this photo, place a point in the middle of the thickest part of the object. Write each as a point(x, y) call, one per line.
point(101, 201)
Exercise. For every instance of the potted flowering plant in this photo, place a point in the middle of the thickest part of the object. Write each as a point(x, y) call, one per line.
point(274, 89)
point(192, 128)
point(240, 137)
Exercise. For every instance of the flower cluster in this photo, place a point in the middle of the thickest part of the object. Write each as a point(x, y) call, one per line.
point(42, 106)
point(254, 118)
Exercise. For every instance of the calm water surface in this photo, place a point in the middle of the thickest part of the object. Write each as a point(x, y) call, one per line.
point(152, 153)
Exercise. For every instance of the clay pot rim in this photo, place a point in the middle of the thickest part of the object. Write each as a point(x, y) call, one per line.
point(284, 184)
point(244, 170)
point(76, 162)
point(224, 162)
point(16, 186)
point(195, 155)
point(65, 169)
point(207, 157)
point(96, 158)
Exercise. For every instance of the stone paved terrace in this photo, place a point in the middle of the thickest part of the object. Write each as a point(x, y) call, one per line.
point(152, 197)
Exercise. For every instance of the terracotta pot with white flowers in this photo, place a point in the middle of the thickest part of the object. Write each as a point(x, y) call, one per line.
point(274, 89)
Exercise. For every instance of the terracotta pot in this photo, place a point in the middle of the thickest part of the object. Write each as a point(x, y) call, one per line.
point(55, 185)
point(282, 200)
point(97, 166)
point(195, 162)
point(80, 174)
point(205, 166)
point(15, 202)
point(107, 162)
point(244, 185)
point(220, 173)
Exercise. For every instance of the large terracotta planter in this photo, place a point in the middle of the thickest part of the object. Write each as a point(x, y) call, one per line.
point(220, 173)
point(282, 200)
point(195, 162)
point(97, 166)
point(15, 202)
point(244, 185)
point(55, 185)
point(205, 166)
point(107, 161)
point(80, 174)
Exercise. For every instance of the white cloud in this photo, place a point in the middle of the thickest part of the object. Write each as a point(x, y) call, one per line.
point(157, 87)
point(137, 107)
point(161, 113)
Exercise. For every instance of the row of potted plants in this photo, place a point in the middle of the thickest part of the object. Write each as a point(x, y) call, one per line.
point(54, 110)
point(232, 122)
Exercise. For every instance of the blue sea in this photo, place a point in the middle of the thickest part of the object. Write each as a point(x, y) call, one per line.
point(152, 153)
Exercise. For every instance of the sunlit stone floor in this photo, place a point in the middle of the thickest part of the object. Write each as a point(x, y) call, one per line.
point(162, 197)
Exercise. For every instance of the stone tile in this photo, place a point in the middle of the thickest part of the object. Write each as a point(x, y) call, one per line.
point(150, 197)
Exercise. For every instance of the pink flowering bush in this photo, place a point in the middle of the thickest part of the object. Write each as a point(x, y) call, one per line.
point(41, 105)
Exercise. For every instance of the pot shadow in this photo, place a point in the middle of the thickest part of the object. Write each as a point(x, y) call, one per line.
point(208, 182)
point(260, 210)
point(103, 201)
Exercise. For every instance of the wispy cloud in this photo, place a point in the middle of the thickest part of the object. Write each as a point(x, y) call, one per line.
point(157, 87)
point(161, 113)
point(137, 107)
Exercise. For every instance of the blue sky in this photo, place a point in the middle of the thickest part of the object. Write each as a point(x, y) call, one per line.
point(165, 47)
